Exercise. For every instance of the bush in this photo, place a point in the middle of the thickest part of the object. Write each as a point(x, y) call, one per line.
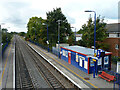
point(103, 46)
point(115, 59)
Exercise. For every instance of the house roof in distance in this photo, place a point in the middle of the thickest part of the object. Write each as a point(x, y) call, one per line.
point(113, 27)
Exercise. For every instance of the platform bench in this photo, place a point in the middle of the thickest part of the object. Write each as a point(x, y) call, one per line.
point(106, 76)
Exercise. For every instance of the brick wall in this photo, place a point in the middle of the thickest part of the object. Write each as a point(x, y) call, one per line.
point(112, 42)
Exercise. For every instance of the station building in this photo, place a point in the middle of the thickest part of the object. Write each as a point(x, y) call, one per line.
point(83, 58)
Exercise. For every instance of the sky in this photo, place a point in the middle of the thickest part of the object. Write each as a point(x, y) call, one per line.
point(15, 14)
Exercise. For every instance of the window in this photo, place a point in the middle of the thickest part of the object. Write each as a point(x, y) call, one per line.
point(116, 46)
point(118, 35)
point(106, 59)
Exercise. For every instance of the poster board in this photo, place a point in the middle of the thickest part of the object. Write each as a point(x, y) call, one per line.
point(118, 67)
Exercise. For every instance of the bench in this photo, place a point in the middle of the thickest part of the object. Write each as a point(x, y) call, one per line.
point(106, 76)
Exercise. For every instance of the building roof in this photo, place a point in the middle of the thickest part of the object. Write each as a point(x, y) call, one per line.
point(113, 27)
point(83, 50)
point(78, 35)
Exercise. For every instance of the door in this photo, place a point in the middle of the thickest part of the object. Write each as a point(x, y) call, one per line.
point(69, 57)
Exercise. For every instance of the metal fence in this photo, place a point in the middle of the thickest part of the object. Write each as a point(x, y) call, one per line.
point(54, 50)
point(6, 45)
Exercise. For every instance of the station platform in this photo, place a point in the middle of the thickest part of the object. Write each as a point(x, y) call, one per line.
point(7, 73)
point(75, 75)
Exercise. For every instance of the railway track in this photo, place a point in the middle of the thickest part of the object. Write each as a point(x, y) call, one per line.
point(41, 65)
point(23, 79)
point(44, 70)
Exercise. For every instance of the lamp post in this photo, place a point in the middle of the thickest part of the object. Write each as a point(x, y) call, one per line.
point(35, 30)
point(6, 35)
point(94, 27)
point(75, 34)
point(47, 35)
point(58, 37)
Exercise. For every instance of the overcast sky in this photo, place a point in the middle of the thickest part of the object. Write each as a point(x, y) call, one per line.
point(16, 13)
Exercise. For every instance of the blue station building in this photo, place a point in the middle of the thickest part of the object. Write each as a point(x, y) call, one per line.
point(83, 58)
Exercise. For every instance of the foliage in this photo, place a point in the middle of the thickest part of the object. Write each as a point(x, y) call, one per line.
point(22, 33)
point(37, 28)
point(35, 31)
point(6, 36)
point(103, 46)
point(88, 32)
point(115, 59)
point(71, 39)
point(52, 20)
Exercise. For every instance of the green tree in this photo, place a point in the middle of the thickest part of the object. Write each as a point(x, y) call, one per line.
point(88, 32)
point(35, 29)
point(71, 39)
point(22, 33)
point(52, 18)
point(6, 36)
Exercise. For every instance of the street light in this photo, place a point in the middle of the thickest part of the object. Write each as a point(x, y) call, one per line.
point(35, 29)
point(94, 39)
point(35, 32)
point(94, 27)
point(58, 37)
point(6, 34)
point(75, 34)
point(47, 36)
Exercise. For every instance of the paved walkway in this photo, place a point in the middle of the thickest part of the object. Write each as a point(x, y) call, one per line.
point(74, 73)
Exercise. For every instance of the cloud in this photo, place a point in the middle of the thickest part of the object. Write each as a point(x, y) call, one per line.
point(18, 12)
point(12, 13)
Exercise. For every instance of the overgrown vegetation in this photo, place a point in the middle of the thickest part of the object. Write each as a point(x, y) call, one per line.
point(115, 59)
point(37, 28)
point(87, 32)
point(6, 36)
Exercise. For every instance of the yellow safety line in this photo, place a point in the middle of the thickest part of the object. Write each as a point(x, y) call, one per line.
point(68, 69)
point(5, 65)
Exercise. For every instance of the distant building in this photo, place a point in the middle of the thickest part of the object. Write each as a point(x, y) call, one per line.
point(113, 38)
point(78, 37)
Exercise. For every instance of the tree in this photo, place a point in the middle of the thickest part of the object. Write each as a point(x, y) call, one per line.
point(6, 36)
point(35, 29)
point(52, 18)
point(22, 33)
point(88, 32)
point(71, 39)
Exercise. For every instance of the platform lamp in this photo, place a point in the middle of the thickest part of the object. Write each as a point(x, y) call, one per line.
point(6, 34)
point(58, 36)
point(94, 27)
point(75, 34)
point(47, 35)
